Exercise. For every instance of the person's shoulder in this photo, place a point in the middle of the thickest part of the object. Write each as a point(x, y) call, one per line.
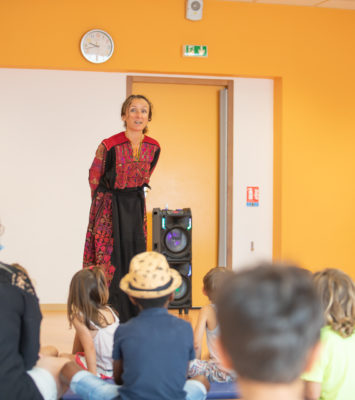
point(17, 277)
point(331, 337)
point(179, 322)
point(150, 140)
point(208, 308)
point(6, 273)
point(114, 140)
point(327, 333)
point(128, 326)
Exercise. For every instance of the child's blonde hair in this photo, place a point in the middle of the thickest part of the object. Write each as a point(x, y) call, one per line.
point(88, 294)
point(337, 292)
point(213, 280)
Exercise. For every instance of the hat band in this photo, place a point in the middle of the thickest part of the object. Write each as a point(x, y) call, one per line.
point(152, 290)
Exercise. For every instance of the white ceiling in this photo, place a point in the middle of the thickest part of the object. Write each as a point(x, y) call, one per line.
point(343, 4)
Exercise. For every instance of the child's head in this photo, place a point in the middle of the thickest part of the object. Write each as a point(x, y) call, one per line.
point(150, 281)
point(88, 293)
point(270, 319)
point(337, 292)
point(213, 280)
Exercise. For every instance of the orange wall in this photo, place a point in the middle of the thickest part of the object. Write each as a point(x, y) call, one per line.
point(310, 51)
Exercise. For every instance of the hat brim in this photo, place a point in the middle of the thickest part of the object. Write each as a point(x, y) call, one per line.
point(151, 294)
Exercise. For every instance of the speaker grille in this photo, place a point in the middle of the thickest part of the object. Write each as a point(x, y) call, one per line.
point(176, 240)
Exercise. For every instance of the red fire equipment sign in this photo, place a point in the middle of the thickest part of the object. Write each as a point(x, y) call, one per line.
point(252, 196)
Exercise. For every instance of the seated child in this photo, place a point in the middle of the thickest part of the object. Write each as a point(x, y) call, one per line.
point(151, 351)
point(332, 376)
point(94, 321)
point(207, 322)
point(23, 375)
point(270, 319)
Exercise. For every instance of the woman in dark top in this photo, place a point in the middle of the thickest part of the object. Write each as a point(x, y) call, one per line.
point(117, 223)
point(21, 375)
point(19, 334)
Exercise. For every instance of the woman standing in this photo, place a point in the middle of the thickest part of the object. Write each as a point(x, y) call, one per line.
point(117, 223)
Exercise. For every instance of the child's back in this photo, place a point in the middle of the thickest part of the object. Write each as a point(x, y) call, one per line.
point(207, 323)
point(155, 348)
point(336, 366)
point(212, 331)
point(332, 376)
point(103, 340)
point(95, 323)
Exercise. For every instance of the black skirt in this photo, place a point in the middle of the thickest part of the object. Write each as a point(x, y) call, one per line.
point(128, 213)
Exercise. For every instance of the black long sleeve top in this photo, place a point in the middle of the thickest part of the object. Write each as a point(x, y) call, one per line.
point(20, 319)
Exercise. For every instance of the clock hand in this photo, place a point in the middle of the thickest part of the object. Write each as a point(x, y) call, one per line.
point(92, 45)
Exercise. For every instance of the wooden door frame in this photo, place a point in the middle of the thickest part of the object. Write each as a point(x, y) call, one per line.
point(228, 84)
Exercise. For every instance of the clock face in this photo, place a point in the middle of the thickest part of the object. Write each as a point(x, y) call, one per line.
point(97, 46)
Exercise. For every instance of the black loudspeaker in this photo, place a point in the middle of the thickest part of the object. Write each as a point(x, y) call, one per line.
point(172, 236)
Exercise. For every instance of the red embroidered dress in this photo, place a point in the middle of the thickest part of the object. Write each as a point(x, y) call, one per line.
point(117, 221)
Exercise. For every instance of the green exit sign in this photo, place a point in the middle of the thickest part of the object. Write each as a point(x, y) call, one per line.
point(194, 51)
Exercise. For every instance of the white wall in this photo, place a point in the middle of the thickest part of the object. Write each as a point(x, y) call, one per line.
point(50, 125)
point(253, 166)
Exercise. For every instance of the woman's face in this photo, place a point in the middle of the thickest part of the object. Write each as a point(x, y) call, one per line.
point(136, 116)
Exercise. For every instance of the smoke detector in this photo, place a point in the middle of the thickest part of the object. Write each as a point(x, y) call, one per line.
point(194, 9)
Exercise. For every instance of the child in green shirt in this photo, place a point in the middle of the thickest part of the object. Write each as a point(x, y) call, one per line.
point(332, 376)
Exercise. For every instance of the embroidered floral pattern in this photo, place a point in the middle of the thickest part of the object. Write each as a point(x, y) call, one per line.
point(99, 240)
point(132, 173)
point(125, 172)
point(97, 168)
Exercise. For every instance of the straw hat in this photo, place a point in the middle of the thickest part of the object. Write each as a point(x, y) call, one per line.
point(150, 277)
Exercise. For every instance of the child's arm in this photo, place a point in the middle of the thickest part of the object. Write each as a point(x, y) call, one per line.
point(200, 329)
point(312, 390)
point(118, 371)
point(87, 342)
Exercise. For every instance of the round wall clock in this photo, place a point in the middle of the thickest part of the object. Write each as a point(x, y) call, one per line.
point(96, 46)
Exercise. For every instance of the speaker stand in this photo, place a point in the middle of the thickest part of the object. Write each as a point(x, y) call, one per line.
point(186, 311)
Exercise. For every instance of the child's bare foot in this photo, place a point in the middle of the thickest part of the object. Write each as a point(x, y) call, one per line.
point(49, 351)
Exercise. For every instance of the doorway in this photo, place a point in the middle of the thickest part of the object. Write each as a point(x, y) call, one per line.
point(186, 124)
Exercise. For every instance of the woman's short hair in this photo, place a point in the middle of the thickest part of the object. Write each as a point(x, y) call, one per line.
point(337, 292)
